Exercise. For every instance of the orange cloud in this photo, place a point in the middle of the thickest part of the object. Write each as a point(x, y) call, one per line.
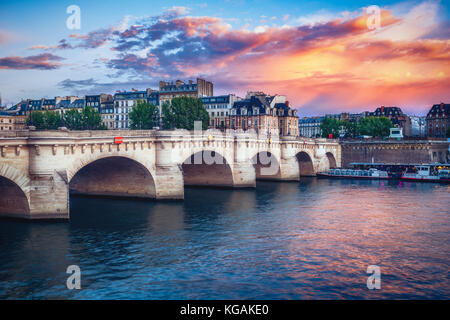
point(331, 66)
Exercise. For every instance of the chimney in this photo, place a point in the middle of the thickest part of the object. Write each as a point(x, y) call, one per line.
point(162, 84)
point(442, 106)
point(382, 109)
point(287, 103)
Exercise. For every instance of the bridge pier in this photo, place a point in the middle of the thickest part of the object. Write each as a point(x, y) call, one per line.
point(289, 170)
point(49, 197)
point(169, 182)
point(244, 175)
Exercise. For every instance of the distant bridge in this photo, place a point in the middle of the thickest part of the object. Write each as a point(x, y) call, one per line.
point(39, 168)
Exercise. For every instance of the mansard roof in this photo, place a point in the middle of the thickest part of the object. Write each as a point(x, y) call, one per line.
point(441, 109)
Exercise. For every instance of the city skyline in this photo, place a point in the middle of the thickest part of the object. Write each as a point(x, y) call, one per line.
point(323, 58)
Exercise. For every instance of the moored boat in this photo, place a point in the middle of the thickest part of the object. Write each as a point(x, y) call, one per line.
point(427, 173)
point(371, 173)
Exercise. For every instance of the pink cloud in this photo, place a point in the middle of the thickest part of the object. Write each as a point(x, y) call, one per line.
point(44, 61)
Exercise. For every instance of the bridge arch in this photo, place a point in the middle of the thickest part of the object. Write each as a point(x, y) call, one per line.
point(15, 192)
point(112, 175)
point(267, 166)
point(207, 168)
point(331, 160)
point(327, 162)
point(305, 163)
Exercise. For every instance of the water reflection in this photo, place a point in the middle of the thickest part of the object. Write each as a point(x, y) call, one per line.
point(312, 239)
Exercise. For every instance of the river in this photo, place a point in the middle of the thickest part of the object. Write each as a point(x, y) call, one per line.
point(308, 240)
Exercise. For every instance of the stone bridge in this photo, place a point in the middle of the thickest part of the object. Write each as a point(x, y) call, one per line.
point(40, 169)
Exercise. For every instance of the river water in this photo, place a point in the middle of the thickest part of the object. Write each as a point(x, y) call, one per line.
point(308, 240)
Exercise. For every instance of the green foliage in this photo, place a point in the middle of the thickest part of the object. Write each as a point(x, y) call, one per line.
point(168, 118)
point(86, 119)
point(91, 119)
point(44, 120)
point(330, 126)
point(370, 126)
point(375, 126)
point(73, 119)
point(183, 112)
point(36, 118)
point(351, 129)
point(144, 116)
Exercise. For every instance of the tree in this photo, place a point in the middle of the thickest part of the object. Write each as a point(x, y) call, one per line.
point(375, 126)
point(92, 119)
point(183, 112)
point(87, 118)
point(144, 116)
point(73, 120)
point(44, 120)
point(36, 119)
point(168, 118)
point(330, 126)
point(351, 129)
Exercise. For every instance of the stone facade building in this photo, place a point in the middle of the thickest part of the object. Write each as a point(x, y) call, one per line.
point(264, 114)
point(104, 104)
point(310, 127)
point(96, 101)
point(170, 90)
point(10, 122)
point(219, 108)
point(396, 115)
point(438, 120)
point(107, 114)
point(123, 103)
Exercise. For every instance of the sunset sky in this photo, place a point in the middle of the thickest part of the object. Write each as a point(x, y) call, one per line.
point(321, 55)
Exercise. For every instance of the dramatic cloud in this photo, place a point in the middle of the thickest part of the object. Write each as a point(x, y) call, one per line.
point(45, 61)
point(322, 63)
point(61, 45)
point(188, 45)
point(77, 84)
point(92, 86)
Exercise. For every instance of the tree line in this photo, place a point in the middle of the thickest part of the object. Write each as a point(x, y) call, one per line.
point(181, 113)
point(368, 126)
point(86, 119)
